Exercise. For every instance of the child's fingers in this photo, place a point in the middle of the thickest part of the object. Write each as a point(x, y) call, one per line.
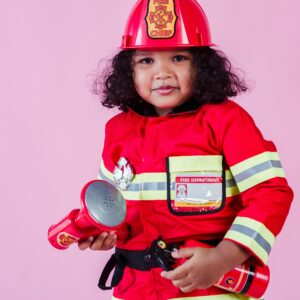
point(188, 288)
point(98, 243)
point(84, 244)
point(176, 274)
point(182, 282)
point(104, 241)
point(110, 241)
point(184, 253)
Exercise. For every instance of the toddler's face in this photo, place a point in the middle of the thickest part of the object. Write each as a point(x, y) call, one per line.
point(163, 78)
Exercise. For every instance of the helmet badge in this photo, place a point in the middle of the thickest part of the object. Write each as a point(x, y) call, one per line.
point(161, 19)
point(123, 174)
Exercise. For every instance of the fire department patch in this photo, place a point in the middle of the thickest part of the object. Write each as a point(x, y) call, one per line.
point(64, 239)
point(161, 19)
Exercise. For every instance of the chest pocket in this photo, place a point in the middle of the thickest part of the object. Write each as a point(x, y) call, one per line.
point(196, 184)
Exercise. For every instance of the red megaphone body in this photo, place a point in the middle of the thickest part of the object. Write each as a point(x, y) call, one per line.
point(103, 208)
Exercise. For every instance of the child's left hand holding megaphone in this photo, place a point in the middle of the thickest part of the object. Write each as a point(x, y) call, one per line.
point(99, 222)
point(106, 240)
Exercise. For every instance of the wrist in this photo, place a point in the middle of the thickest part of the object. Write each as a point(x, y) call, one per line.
point(230, 255)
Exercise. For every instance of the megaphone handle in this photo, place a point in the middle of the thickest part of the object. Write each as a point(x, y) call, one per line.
point(65, 232)
point(82, 221)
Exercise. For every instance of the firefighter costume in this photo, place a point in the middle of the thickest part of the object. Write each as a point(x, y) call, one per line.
point(200, 173)
point(238, 179)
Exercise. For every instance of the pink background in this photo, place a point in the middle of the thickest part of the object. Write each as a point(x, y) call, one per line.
point(52, 127)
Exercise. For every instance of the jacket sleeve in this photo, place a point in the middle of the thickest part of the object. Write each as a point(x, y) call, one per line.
point(257, 171)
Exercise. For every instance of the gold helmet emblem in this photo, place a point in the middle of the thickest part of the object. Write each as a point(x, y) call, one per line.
point(161, 19)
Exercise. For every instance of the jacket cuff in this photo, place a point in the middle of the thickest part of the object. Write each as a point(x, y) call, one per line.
point(253, 235)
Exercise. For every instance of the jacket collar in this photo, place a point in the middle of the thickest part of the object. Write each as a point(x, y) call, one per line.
point(146, 109)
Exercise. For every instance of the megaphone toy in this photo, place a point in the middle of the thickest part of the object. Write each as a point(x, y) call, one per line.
point(103, 208)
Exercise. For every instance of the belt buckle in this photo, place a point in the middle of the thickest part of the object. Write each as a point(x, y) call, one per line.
point(160, 254)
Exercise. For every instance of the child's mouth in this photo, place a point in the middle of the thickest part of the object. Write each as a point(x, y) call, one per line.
point(165, 90)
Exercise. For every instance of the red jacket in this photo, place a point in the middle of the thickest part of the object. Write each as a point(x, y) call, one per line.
point(206, 174)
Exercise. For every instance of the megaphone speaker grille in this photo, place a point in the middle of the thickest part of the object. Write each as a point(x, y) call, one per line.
point(105, 204)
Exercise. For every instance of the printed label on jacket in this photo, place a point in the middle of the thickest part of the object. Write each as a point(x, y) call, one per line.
point(203, 191)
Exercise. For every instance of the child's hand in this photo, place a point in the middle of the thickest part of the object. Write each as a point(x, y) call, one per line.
point(104, 241)
point(202, 269)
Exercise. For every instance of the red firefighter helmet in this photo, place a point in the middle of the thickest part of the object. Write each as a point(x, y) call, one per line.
point(166, 24)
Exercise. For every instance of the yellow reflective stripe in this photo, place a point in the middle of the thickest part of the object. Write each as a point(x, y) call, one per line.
point(257, 169)
point(195, 163)
point(105, 172)
point(252, 234)
point(152, 177)
point(159, 177)
point(259, 178)
point(153, 186)
point(217, 297)
point(231, 187)
point(258, 227)
point(232, 191)
point(254, 160)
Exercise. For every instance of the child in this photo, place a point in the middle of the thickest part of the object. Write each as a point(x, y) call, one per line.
point(193, 164)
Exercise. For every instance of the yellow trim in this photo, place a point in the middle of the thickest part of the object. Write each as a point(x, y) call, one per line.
point(229, 175)
point(106, 173)
point(259, 178)
point(248, 241)
point(195, 163)
point(152, 177)
point(253, 161)
point(216, 204)
point(232, 191)
point(153, 195)
point(161, 176)
point(157, 177)
point(258, 227)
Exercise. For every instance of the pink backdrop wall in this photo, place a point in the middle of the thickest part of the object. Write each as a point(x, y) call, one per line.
point(52, 128)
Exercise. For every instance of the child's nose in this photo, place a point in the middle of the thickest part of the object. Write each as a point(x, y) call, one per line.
point(163, 72)
point(163, 75)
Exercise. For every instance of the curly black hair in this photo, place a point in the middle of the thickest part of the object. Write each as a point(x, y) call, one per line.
point(215, 81)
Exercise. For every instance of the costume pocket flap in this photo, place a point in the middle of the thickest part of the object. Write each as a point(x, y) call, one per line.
point(195, 163)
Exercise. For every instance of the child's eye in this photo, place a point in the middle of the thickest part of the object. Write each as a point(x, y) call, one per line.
point(179, 58)
point(146, 60)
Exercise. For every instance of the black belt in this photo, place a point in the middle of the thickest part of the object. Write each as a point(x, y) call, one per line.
point(157, 256)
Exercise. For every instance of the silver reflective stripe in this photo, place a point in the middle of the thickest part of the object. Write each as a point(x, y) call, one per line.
point(257, 169)
point(254, 235)
point(145, 186)
point(157, 186)
point(148, 186)
point(153, 186)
